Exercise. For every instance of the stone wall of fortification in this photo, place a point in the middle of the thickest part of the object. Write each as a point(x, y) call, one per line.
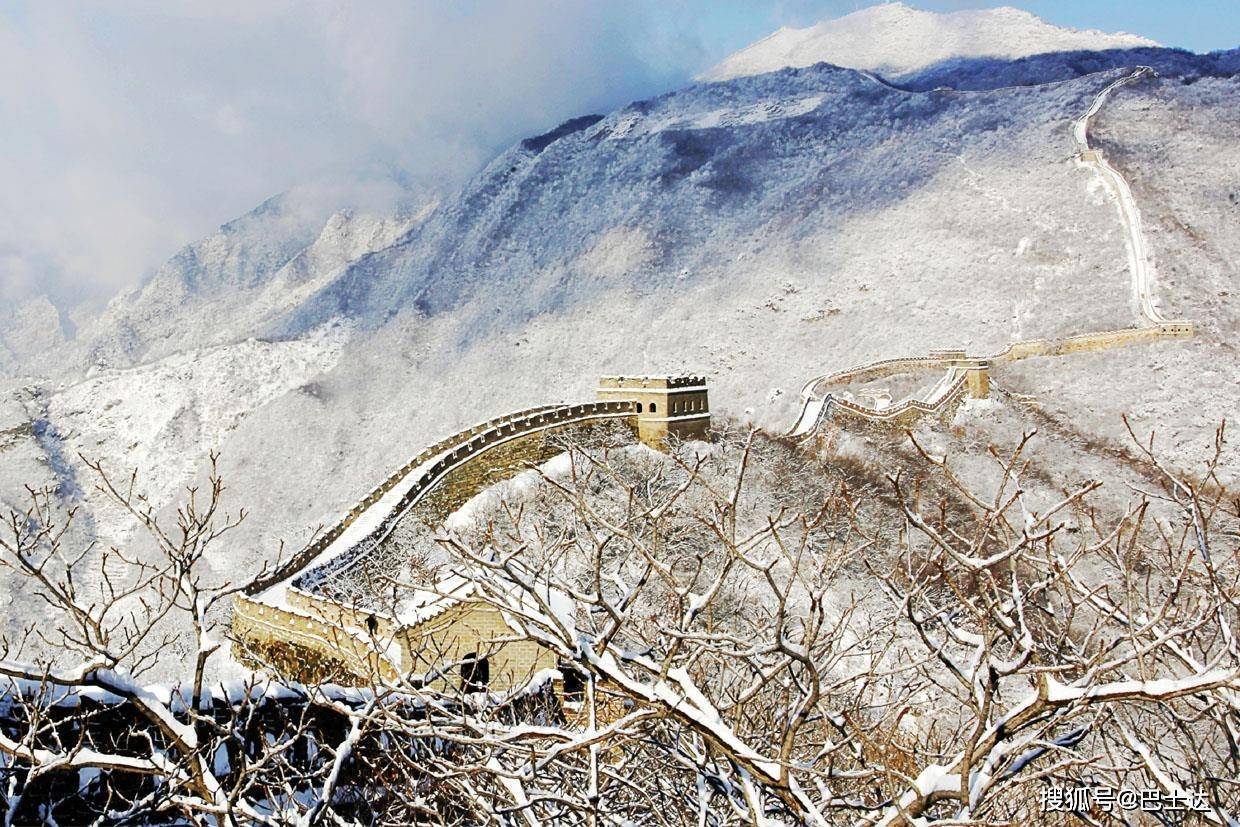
point(899, 417)
point(473, 629)
point(481, 432)
point(302, 643)
point(300, 646)
point(1086, 342)
point(504, 461)
point(311, 638)
point(903, 415)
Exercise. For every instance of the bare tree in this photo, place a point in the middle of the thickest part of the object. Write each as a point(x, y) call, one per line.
point(745, 641)
point(745, 635)
point(110, 633)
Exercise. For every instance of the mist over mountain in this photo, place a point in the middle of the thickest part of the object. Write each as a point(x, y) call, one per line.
point(760, 229)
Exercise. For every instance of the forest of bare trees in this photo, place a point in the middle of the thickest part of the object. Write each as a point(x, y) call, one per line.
point(753, 634)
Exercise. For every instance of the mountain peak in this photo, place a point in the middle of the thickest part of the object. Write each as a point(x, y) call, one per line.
point(896, 39)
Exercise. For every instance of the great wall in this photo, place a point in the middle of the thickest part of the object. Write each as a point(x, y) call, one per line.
point(969, 375)
point(965, 376)
point(295, 621)
point(298, 620)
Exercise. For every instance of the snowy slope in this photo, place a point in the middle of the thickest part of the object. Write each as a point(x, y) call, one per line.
point(221, 289)
point(164, 417)
point(707, 229)
point(741, 188)
point(28, 330)
point(760, 230)
point(894, 39)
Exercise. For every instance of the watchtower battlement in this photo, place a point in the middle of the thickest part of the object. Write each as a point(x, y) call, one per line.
point(1178, 328)
point(665, 405)
point(648, 382)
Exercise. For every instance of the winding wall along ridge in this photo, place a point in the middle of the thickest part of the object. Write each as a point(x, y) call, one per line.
point(1139, 262)
point(480, 439)
point(288, 610)
point(307, 555)
point(818, 403)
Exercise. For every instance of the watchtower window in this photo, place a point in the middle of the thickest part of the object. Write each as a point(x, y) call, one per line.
point(475, 673)
point(574, 683)
point(654, 408)
point(639, 407)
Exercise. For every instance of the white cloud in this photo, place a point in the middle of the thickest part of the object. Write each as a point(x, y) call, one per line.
point(134, 127)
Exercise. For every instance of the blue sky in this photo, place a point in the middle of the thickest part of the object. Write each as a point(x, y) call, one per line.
point(133, 127)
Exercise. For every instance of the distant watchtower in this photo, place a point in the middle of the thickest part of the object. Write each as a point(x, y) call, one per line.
point(666, 405)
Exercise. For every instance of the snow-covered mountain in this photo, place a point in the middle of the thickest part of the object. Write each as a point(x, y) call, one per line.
point(224, 287)
point(29, 330)
point(894, 40)
point(759, 230)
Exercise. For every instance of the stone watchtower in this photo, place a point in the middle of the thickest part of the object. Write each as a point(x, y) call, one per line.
point(666, 405)
point(976, 370)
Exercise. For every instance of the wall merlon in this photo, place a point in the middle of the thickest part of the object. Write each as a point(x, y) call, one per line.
point(314, 624)
point(652, 382)
point(975, 369)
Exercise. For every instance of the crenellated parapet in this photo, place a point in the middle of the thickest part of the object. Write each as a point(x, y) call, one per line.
point(965, 375)
point(299, 609)
point(329, 536)
point(652, 382)
point(448, 480)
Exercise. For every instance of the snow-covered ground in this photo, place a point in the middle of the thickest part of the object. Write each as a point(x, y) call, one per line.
point(221, 289)
point(787, 262)
point(162, 418)
point(1176, 146)
point(1139, 261)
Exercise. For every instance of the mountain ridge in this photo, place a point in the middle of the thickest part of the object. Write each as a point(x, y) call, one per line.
point(122, 334)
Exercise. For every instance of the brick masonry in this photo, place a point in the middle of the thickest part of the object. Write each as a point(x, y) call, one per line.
point(307, 637)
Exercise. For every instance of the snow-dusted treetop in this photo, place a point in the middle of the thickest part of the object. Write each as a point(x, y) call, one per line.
point(895, 39)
